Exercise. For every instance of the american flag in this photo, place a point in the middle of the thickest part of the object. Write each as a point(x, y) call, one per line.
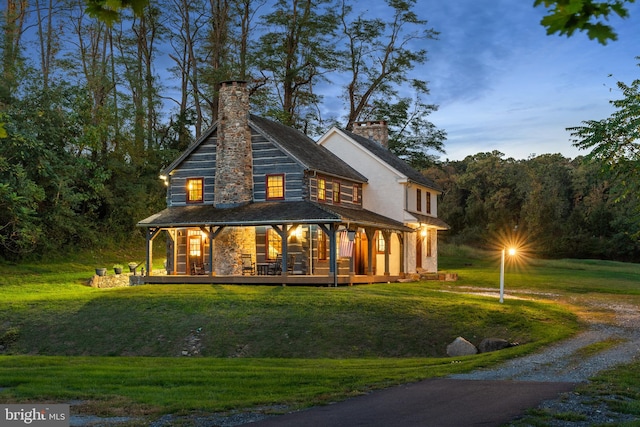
point(346, 245)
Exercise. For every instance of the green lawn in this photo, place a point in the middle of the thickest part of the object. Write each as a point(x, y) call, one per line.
point(248, 346)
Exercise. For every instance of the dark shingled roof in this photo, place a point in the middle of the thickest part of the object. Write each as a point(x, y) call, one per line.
point(430, 220)
point(305, 150)
point(267, 213)
point(392, 160)
point(293, 142)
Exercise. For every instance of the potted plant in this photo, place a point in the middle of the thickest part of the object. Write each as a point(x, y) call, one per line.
point(132, 267)
point(117, 269)
point(101, 271)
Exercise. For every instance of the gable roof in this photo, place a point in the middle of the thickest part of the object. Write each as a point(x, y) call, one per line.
point(304, 149)
point(296, 144)
point(384, 154)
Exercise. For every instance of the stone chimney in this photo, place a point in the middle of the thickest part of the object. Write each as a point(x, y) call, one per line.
point(234, 176)
point(234, 169)
point(376, 131)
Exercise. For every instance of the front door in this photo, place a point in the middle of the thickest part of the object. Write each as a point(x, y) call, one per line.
point(360, 253)
point(195, 261)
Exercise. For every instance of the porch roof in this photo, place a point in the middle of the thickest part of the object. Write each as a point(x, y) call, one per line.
point(433, 221)
point(267, 213)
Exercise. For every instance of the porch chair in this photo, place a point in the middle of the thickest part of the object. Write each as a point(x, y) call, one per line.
point(248, 266)
point(275, 268)
point(291, 263)
point(197, 269)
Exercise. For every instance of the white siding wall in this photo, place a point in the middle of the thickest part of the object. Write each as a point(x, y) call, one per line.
point(384, 193)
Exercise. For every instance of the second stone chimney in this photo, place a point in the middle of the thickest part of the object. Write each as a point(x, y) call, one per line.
point(234, 169)
point(374, 130)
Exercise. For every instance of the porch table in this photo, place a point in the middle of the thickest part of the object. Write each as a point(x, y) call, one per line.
point(262, 268)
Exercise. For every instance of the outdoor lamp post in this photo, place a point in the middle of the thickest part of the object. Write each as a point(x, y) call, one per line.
point(512, 252)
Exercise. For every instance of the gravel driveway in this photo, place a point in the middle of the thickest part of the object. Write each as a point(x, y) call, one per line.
point(607, 319)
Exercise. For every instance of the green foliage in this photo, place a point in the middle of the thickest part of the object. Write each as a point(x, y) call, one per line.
point(614, 141)
point(109, 11)
point(379, 61)
point(559, 207)
point(567, 16)
point(294, 55)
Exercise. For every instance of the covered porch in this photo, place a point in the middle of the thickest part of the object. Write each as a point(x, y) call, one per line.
point(323, 245)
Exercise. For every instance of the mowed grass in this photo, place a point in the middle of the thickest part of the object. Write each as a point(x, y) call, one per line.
point(251, 346)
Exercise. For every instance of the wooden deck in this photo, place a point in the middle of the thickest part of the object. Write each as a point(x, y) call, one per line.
point(293, 280)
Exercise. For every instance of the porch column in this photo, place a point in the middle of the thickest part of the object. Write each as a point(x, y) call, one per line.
point(151, 234)
point(386, 234)
point(402, 257)
point(370, 248)
point(173, 253)
point(333, 253)
point(283, 232)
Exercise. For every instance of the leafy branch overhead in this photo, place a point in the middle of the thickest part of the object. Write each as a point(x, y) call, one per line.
point(108, 11)
point(567, 16)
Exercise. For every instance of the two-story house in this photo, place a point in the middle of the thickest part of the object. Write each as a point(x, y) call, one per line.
point(394, 189)
point(254, 201)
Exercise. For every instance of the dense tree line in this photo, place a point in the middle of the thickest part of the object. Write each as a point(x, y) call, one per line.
point(92, 109)
point(96, 100)
point(557, 207)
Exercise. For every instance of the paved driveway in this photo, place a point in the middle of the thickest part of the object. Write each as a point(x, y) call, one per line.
point(434, 402)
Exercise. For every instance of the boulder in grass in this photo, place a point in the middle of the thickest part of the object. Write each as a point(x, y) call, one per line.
point(461, 347)
point(493, 344)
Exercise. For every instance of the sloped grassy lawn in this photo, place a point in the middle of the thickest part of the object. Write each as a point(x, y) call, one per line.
point(121, 349)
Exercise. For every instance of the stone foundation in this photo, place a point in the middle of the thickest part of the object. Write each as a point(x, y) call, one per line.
point(115, 281)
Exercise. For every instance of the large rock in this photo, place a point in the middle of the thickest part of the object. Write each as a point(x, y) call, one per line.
point(493, 344)
point(461, 347)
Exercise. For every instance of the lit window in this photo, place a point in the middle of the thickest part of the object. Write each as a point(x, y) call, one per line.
point(356, 194)
point(322, 189)
point(428, 194)
point(429, 243)
point(275, 187)
point(418, 200)
point(322, 245)
point(381, 244)
point(336, 192)
point(194, 190)
point(274, 244)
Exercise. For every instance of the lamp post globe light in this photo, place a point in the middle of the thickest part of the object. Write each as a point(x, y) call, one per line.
point(512, 252)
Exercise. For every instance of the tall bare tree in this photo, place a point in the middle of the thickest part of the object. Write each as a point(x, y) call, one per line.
point(14, 17)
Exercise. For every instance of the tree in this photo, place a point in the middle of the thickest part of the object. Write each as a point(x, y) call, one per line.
point(379, 57)
point(615, 141)
point(567, 16)
point(294, 54)
point(109, 11)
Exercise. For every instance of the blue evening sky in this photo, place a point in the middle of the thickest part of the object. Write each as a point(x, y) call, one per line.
point(503, 84)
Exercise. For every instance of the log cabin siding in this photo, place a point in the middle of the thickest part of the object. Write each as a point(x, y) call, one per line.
point(269, 159)
point(199, 164)
point(346, 191)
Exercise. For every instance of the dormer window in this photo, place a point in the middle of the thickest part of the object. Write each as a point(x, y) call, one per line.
point(195, 190)
point(275, 187)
